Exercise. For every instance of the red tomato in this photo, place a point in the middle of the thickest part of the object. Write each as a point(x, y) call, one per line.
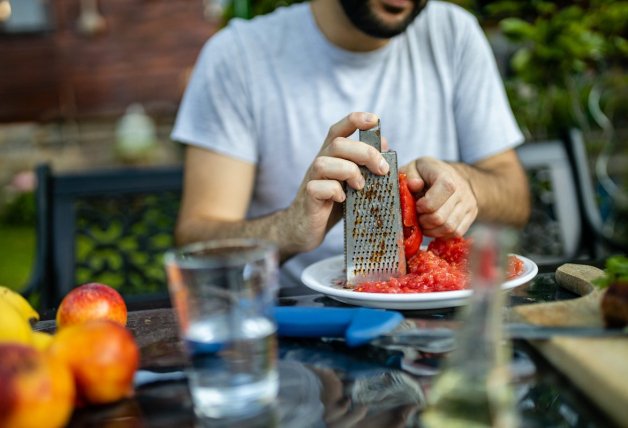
point(411, 231)
point(443, 267)
point(427, 272)
point(515, 267)
point(454, 250)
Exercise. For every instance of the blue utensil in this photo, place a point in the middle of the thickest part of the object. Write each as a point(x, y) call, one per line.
point(358, 326)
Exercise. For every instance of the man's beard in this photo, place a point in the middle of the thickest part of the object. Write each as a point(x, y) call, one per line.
point(360, 14)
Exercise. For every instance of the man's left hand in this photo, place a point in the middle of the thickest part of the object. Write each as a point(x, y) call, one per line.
point(446, 204)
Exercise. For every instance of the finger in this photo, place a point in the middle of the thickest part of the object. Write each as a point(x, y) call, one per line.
point(325, 190)
point(437, 195)
point(332, 168)
point(444, 231)
point(416, 184)
point(466, 223)
point(443, 221)
point(357, 152)
point(352, 122)
point(461, 219)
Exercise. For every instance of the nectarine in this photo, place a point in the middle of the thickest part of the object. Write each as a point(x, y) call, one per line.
point(36, 390)
point(102, 356)
point(89, 302)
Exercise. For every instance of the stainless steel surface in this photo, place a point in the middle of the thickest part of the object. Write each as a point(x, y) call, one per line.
point(373, 233)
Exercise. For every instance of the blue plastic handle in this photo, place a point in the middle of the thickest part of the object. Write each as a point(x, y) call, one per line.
point(356, 325)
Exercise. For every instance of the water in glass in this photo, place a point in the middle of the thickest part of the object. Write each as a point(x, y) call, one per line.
point(233, 369)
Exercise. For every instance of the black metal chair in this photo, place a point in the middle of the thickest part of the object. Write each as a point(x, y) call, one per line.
point(110, 226)
point(565, 223)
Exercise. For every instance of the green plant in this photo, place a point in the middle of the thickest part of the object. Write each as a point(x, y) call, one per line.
point(251, 8)
point(564, 51)
point(17, 252)
point(19, 210)
point(615, 271)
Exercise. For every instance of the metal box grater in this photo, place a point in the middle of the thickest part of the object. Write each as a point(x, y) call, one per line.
point(374, 249)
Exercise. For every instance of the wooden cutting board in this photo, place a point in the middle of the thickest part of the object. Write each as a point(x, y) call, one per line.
point(598, 366)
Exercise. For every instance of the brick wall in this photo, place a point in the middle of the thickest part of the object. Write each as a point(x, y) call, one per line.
point(144, 56)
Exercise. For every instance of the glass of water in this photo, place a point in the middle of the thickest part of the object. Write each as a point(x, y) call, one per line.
point(223, 292)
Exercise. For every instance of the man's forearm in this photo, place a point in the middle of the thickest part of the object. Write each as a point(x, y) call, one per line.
point(276, 227)
point(502, 194)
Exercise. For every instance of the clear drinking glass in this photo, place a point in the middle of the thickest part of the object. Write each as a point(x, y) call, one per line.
point(223, 292)
point(474, 389)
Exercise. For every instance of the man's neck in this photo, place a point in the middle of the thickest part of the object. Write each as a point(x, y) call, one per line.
point(338, 29)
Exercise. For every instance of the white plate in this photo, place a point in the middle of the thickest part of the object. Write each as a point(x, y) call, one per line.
point(323, 276)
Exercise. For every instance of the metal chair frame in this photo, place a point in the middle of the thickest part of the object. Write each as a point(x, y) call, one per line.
point(118, 214)
point(568, 197)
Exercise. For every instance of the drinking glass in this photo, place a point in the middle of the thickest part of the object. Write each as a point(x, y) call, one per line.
point(223, 292)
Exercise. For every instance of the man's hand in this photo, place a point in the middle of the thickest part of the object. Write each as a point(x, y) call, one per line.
point(447, 205)
point(310, 214)
point(451, 196)
point(218, 188)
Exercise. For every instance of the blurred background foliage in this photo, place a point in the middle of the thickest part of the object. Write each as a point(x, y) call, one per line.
point(568, 66)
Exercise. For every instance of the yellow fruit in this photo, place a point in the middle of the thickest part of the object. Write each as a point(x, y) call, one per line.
point(13, 327)
point(21, 304)
point(41, 340)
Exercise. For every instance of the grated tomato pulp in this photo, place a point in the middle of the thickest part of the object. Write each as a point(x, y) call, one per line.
point(443, 266)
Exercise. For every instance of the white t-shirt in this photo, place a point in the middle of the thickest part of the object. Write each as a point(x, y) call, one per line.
point(267, 90)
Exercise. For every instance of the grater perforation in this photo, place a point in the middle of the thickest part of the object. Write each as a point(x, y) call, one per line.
point(373, 235)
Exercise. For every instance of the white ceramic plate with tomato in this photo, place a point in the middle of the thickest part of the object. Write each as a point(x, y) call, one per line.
point(327, 277)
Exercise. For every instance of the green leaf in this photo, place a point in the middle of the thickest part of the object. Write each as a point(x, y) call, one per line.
point(616, 270)
point(546, 8)
point(521, 59)
point(620, 44)
point(517, 29)
point(505, 8)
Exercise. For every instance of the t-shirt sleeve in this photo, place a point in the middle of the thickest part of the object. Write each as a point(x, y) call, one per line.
point(215, 111)
point(485, 123)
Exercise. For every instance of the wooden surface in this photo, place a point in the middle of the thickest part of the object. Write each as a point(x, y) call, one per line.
point(598, 366)
point(156, 333)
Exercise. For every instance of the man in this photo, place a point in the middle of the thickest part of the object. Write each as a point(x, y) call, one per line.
point(262, 162)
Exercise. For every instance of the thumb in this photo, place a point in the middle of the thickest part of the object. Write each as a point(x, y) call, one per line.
point(416, 184)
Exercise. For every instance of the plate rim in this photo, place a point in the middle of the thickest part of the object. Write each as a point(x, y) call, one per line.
point(411, 300)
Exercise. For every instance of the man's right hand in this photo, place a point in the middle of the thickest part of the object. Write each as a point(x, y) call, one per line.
point(310, 214)
point(214, 207)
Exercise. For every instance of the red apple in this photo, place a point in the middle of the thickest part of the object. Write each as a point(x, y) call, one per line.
point(91, 301)
point(36, 389)
point(102, 356)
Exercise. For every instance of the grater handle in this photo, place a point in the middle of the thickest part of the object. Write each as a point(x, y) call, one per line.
point(357, 325)
point(372, 137)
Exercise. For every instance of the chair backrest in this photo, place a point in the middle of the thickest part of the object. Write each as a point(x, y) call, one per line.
point(562, 225)
point(109, 226)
